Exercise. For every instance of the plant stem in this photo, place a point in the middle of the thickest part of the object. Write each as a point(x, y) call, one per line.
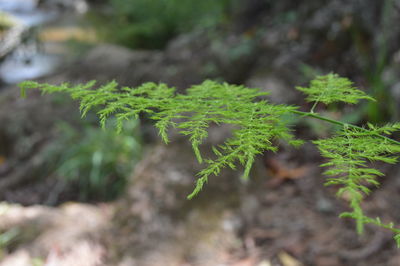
point(313, 107)
point(336, 122)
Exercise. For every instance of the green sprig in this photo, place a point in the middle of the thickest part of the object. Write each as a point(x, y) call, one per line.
point(332, 88)
point(256, 124)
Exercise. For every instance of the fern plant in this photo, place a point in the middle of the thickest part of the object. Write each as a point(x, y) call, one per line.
point(257, 124)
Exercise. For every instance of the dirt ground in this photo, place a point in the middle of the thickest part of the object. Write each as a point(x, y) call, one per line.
point(283, 216)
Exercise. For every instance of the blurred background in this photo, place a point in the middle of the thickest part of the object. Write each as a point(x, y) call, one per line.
point(74, 194)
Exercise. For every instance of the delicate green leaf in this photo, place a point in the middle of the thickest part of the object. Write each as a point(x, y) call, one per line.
point(256, 125)
point(348, 153)
point(332, 88)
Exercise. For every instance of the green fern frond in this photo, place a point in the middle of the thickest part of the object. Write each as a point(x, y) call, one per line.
point(332, 88)
point(375, 221)
point(397, 238)
point(256, 125)
point(348, 154)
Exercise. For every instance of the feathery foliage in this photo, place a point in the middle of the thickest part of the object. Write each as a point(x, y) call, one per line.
point(256, 124)
point(332, 88)
point(348, 154)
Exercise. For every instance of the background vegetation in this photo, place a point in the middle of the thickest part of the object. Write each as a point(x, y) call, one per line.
point(150, 24)
point(96, 161)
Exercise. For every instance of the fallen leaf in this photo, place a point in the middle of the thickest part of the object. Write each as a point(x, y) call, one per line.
point(288, 260)
point(281, 173)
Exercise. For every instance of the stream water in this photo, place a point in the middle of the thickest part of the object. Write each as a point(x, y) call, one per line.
point(34, 57)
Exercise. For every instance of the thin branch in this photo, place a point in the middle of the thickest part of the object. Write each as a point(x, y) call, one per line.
point(336, 122)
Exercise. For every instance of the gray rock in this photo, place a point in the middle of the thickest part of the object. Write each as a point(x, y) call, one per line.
point(280, 91)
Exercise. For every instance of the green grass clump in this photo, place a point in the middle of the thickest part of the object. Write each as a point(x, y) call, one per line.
point(98, 161)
